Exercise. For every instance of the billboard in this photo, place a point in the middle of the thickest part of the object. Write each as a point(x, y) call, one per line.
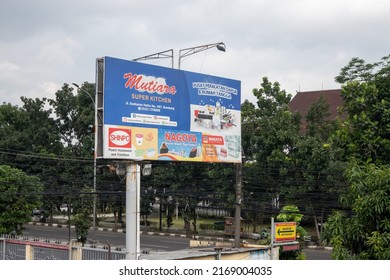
point(150, 112)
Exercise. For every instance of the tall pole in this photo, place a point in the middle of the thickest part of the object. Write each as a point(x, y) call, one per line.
point(272, 256)
point(94, 160)
point(95, 167)
point(133, 184)
point(94, 195)
point(237, 216)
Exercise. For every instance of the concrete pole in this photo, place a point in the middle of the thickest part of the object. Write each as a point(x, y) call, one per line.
point(272, 238)
point(237, 216)
point(133, 186)
point(94, 196)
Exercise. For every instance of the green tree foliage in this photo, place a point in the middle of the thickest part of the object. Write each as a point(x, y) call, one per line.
point(75, 118)
point(29, 129)
point(191, 185)
point(29, 140)
point(285, 164)
point(269, 132)
point(366, 233)
point(362, 231)
point(317, 179)
point(82, 225)
point(83, 207)
point(53, 140)
point(12, 136)
point(19, 195)
point(276, 128)
point(146, 204)
point(290, 213)
point(366, 132)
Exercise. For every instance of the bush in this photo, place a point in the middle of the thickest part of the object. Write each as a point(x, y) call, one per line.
point(219, 226)
point(206, 226)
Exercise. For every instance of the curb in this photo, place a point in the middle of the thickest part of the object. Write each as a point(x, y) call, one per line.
point(326, 248)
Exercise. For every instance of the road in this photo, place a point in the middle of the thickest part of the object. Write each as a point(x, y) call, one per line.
point(148, 242)
point(317, 254)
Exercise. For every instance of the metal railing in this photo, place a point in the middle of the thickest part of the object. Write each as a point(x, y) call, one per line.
point(28, 248)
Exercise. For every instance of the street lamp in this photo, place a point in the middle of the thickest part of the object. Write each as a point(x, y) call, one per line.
point(83, 90)
point(190, 51)
point(158, 55)
point(94, 163)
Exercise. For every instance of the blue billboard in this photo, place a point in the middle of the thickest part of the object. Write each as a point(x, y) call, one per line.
point(159, 113)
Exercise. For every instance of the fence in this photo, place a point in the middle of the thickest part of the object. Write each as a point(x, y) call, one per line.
point(25, 248)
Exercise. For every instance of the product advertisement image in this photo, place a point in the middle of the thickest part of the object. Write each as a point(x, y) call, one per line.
point(158, 113)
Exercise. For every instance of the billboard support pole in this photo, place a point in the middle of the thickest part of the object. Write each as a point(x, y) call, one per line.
point(237, 215)
point(272, 237)
point(133, 185)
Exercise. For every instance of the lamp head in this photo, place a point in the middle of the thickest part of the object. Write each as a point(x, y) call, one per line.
point(221, 47)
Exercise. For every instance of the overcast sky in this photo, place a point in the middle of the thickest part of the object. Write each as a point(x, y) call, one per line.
point(302, 44)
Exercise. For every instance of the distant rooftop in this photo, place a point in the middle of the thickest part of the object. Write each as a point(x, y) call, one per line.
point(302, 102)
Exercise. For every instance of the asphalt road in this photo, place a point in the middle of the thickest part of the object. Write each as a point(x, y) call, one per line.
point(148, 242)
point(317, 254)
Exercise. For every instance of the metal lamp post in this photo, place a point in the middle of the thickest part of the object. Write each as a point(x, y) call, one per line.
point(159, 55)
point(190, 51)
point(94, 165)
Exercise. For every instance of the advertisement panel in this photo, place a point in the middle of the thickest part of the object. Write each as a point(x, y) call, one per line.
point(158, 113)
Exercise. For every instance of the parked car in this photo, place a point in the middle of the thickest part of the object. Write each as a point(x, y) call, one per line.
point(38, 212)
point(64, 208)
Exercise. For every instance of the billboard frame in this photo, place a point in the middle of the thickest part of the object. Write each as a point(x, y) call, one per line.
point(210, 146)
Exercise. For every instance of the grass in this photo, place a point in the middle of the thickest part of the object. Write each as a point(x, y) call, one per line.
point(179, 223)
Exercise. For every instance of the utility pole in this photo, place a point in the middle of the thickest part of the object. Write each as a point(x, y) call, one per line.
point(133, 186)
point(237, 216)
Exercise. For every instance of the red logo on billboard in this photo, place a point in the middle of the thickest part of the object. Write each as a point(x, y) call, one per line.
point(119, 138)
point(212, 139)
point(149, 84)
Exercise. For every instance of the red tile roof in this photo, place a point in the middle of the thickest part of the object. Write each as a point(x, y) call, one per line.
point(302, 101)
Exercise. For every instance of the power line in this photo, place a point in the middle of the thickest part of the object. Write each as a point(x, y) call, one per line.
point(40, 156)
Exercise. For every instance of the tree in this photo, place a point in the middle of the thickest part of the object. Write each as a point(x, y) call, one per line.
point(284, 165)
point(83, 208)
point(290, 213)
point(317, 178)
point(366, 134)
point(276, 128)
point(74, 119)
point(361, 231)
point(364, 233)
point(146, 204)
point(12, 136)
point(270, 133)
point(19, 195)
point(182, 182)
point(28, 129)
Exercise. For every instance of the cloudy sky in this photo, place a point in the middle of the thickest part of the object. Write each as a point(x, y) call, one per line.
point(302, 44)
